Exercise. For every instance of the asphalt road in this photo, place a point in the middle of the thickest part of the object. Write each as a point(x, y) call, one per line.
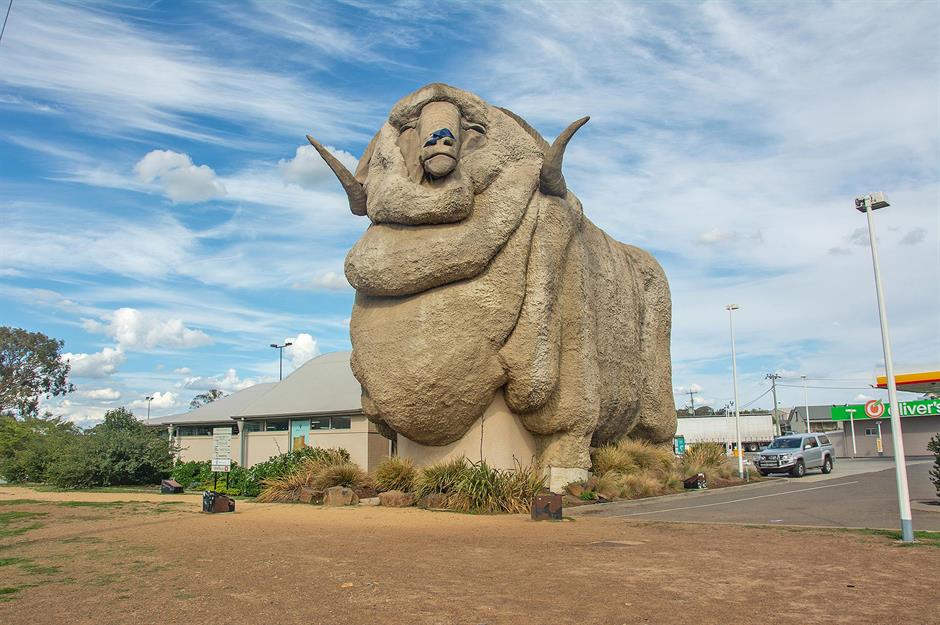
point(861, 494)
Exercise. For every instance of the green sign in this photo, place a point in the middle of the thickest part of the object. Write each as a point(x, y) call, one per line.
point(678, 444)
point(877, 409)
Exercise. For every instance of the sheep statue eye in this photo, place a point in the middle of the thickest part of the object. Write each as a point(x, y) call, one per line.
point(474, 127)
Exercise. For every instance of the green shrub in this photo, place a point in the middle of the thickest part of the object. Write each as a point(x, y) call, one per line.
point(318, 471)
point(118, 451)
point(190, 474)
point(934, 446)
point(29, 445)
point(483, 489)
point(346, 474)
point(440, 477)
point(632, 456)
point(285, 463)
point(708, 458)
point(396, 473)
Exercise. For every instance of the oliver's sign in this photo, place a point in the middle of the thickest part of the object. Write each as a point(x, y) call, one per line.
point(876, 409)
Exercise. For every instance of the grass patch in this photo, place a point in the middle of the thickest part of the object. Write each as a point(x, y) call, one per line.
point(37, 569)
point(395, 473)
point(88, 540)
point(94, 504)
point(14, 518)
point(12, 561)
point(19, 502)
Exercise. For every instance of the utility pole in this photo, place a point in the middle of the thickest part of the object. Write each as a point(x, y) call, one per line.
point(773, 389)
point(692, 402)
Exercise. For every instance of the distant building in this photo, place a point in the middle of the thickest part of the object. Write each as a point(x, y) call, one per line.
point(318, 405)
point(920, 420)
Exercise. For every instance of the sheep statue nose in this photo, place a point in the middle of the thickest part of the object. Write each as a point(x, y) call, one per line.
point(439, 124)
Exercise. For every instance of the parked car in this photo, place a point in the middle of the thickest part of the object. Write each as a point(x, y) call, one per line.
point(796, 453)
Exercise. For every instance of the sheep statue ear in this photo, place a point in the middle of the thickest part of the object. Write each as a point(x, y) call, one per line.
point(353, 188)
point(362, 171)
point(551, 180)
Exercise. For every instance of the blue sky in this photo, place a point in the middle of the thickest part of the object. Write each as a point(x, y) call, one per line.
point(162, 215)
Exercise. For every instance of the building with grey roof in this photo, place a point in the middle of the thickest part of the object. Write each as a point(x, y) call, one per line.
point(318, 405)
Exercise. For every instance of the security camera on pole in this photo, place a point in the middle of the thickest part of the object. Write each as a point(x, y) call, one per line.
point(866, 205)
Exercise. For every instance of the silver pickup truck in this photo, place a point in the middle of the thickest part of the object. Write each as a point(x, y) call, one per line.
point(796, 453)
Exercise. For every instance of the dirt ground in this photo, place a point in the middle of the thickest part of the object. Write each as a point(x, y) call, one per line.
point(79, 559)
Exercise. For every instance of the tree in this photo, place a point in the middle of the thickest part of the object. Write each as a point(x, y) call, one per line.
point(118, 451)
point(934, 446)
point(206, 398)
point(30, 368)
point(28, 446)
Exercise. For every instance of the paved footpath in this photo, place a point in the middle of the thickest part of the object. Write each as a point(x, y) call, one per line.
point(859, 493)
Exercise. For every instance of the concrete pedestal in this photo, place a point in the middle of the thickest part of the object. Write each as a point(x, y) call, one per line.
point(504, 441)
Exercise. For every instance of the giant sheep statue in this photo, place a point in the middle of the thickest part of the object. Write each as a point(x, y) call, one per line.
point(480, 274)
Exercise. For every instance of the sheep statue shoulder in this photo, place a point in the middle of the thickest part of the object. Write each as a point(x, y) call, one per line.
point(483, 291)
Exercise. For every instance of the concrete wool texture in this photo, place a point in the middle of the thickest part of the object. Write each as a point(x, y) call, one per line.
point(479, 282)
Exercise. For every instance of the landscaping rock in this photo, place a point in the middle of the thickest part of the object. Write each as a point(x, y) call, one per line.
point(434, 501)
point(340, 496)
point(310, 495)
point(397, 499)
point(575, 489)
point(369, 501)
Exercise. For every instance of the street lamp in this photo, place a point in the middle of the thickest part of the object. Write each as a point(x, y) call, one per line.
point(280, 366)
point(866, 205)
point(149, 399)
point(734, 374)
point(805, 403)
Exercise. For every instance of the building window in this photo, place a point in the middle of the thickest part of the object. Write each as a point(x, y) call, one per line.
point(871, 431)
point(341, 423)
point(254, 426)
point(194, 430)
point(281, 425)
point(320, 423)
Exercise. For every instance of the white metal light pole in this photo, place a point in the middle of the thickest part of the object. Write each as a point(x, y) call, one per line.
point(149, 399)
point(734, 374)
point(866, 205)
point(805, 403)
point(851, 412)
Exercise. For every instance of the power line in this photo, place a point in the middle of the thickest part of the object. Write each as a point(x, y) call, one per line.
point(756, 398)
point(6, 17)
point(832, 388)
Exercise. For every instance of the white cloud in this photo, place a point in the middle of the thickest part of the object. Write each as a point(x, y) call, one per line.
point(183, 371)
point(716, 235)
point(99, 365)
point(859, 237)
point(178, 177)
point(303, 349)
point(326, 281)
point(862, 397)
point(161, 401)
point(133, 329)
point(915, 236)
point(229, 382)
point(104, 394)
point(308, 170)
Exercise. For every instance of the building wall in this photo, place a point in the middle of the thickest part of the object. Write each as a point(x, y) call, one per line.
point(365, 445)
point(260, 446)
point(917, 433)
point(200, 448)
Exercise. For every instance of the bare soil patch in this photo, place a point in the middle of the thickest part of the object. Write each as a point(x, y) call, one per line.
point(151, 559)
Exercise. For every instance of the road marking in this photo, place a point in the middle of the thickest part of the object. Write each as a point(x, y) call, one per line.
point(722, 503)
